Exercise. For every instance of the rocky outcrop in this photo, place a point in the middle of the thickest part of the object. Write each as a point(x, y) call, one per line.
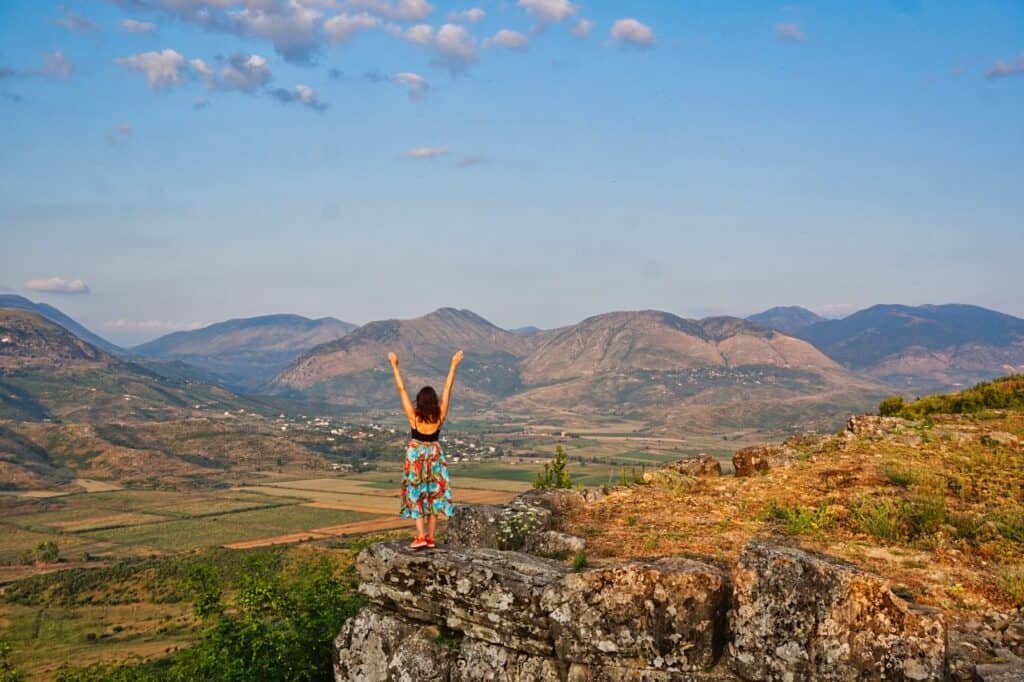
point(759, 458)
point(701, 465)
point(524, 523)
point(800, 616)
point(527, 618)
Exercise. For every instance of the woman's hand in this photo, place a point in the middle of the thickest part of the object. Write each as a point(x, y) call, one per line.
point(457, 358)
point(394, 359)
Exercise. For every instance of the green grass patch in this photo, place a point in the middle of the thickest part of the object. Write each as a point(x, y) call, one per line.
point(800, 520)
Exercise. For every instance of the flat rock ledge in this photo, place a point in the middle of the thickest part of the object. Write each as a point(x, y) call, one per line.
point(485, 614)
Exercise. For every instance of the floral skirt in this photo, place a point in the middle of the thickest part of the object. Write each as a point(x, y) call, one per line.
point(425, 490)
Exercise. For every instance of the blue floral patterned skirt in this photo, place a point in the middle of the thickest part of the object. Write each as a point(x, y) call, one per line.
point(425, 489)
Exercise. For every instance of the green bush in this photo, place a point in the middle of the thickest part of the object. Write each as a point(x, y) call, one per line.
point(891, 406)
point(8, 673)
point(915, 517)
point(899, 475)
point(555, 473)
point(798, 520)
point(579, 562)
point(1001, 394)
point(878, 518)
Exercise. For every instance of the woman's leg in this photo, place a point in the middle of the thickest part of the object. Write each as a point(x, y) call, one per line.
point(431, 526)
point(419, 528)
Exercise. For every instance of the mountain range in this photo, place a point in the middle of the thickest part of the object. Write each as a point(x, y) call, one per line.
point(246, 353)
point(775, 368)
point(917, 349)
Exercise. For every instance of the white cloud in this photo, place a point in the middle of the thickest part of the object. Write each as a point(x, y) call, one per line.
point(57, 65)
point(161, 68)
point(139, 27)
point(1002, 69)
point(549, 10)
point(582, 28)
point(58, 285)
point(291, 26)
point(423, 153)
point(302, 94)
point(513, 40)
point(414, 10)
point(342, 27)
point(452, 44)
point(790, 33)
point(633, 32)
point(416, 84)
point(473, 15)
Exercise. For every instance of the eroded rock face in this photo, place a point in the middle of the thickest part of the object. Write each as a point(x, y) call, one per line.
point(753, 460)
point(477, 661)
point(489, 595)
point(554, 545)
point(667, 614)
point(870, 426)
point(799, 616)
point(376, 645)
point(701, 465)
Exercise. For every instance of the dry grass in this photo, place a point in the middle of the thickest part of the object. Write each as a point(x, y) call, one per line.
point(939, 514)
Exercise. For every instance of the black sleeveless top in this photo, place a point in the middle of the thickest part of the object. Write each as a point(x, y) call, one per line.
point(426, 437)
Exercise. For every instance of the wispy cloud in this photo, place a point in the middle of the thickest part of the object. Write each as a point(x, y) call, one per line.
point(415, 84)
point(405, 10)
point(513, 40)
point(424, 153)
point(790, 33)
point(1002, 69)
point(633, 32)
point(75, 22)
point(453, 46)
point(241, 72)
point(582, 28)
point(472, 16)
point(342, 27)
point(138, 27)
point(152, 325)
point(56, 65)
point(58, 285)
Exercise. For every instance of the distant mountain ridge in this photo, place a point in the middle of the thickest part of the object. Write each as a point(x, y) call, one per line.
point(925, 347)
point(49, 312)
point(786, 319)
point(247, 351)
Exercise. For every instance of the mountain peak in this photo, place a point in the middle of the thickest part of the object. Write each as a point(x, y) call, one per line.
point(786, 319)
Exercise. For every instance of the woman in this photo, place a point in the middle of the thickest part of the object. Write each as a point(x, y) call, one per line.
point(425, 491)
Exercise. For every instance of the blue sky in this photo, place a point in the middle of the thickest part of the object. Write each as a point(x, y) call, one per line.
point(381, 158)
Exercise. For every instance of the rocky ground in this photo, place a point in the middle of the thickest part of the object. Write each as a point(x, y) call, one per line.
point(892, 550)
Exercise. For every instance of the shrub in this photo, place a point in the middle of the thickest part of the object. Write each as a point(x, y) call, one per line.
point(887, 519)
point(891, 406)
point(878, 518)
point(555, 473)
point(899, 475)
point(1011, 580)
point(579, 562)
point(923, 514)
point(798, 520)
point(8, 673)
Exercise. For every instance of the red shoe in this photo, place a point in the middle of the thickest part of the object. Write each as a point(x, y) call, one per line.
point(430, 543)
point(419, 543)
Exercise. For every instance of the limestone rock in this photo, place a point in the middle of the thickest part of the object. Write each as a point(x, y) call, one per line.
point(477, 661)
point(666, 614)
point(701, 465)
point(374, 645)
point(489, 595)
point(1000, 672)
point(870, 426)
point(1001, 438)
point(492, 527)
point(758, 458)
point(799, 616)
point(554, 545)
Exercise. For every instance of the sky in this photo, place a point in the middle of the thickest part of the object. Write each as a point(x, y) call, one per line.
point(172, 163)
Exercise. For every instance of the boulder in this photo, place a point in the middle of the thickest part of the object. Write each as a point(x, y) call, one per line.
point(758, 458)
point(554, 545)
point(491, 527)
point(663, 615)
point(375, 645)
point(476, 661)
point(701, 465)
point(871, 426)
point(487, 594)
point(801, 616)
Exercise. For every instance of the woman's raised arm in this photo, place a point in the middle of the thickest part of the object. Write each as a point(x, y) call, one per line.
point(449, 384)
point(410, 413)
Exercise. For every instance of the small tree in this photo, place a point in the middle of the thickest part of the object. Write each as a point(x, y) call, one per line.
point(555, 473)
point(47, 552)
point(8, 673)
point(891, 406)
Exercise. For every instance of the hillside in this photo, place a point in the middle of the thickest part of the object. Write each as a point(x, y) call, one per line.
point(786, 319)
point(246, 352)
point(645, 365)
point(923, 348)
point(46, 372)
point(54, 315)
